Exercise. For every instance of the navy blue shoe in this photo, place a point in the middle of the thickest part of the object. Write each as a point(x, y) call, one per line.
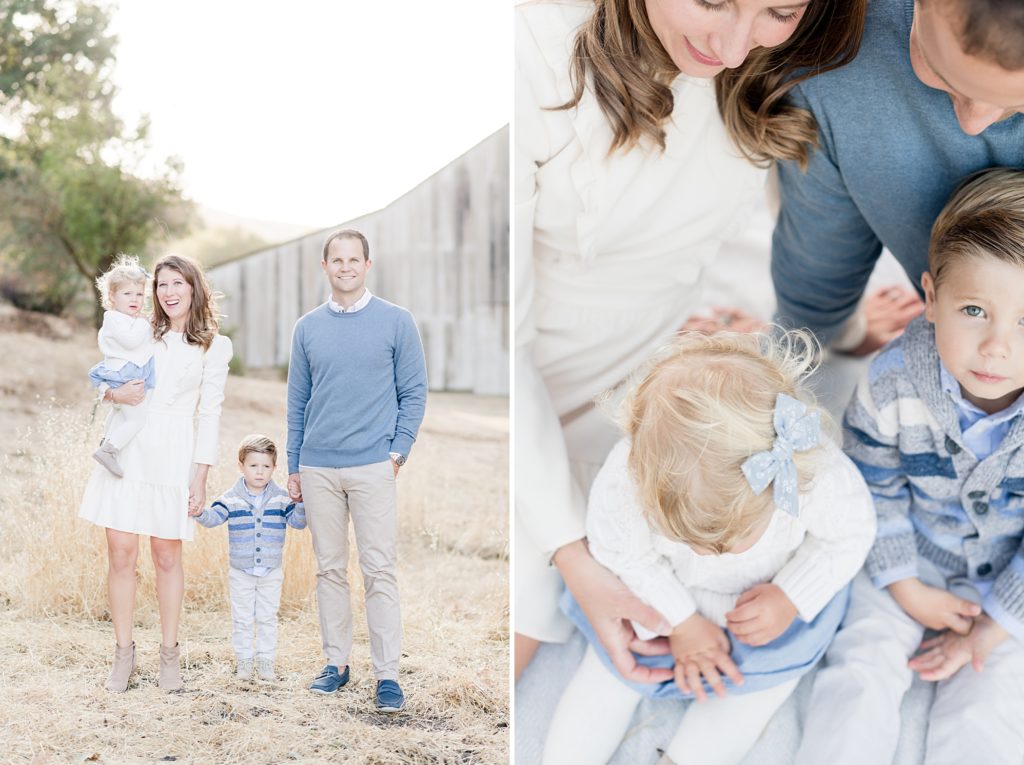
point(389, 696)
point(329, 680)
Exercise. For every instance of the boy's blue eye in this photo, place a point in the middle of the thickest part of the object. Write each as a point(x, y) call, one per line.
point(973, 311)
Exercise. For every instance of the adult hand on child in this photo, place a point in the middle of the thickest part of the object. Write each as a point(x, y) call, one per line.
point(610, 606)
point(934, 607)
point(295, 487)
point(130, 394)
point(723, 320)
point(942, 656)
point(887, 311)
point(701, 649)
point(762, 613)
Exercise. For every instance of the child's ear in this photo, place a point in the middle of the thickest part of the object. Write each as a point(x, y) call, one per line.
point(928, 285)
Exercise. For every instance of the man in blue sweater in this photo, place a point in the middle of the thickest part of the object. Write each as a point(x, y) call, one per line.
point(934, 95)
point(357, 387)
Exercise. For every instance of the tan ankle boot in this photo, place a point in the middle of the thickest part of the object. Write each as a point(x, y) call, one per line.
point(170, 668)
point(124, 663)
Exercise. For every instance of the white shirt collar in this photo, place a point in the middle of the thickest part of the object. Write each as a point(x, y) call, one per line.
point(357, 306)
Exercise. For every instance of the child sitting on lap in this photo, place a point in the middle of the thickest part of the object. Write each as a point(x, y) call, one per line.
point(753, 580)
point(257, 511)
point(937, 431)
point(126, 341)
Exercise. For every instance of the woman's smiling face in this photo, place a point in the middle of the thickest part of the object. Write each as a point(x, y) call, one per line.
point(703, 37)
point(175, 296)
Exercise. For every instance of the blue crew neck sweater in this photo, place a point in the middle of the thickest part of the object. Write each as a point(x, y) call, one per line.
point(891, 155)
point(357, 386)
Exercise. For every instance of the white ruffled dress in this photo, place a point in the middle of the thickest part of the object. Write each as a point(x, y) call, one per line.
point(181, 430)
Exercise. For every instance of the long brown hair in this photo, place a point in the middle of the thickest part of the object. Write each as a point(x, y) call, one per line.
point(631, 76)
point(202, 324)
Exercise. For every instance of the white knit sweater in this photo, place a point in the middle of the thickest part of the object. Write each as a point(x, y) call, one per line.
point(809, 557)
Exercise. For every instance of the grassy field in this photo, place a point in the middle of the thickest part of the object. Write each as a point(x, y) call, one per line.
point(57, 639)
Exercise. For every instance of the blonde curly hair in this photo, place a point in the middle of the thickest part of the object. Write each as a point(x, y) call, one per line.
point(125, 270)
point(702, 408)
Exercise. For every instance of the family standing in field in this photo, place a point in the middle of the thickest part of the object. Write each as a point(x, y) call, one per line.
point(356, 395)
point(715, 543)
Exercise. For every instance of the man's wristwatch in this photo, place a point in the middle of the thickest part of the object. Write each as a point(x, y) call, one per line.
point(398, 459)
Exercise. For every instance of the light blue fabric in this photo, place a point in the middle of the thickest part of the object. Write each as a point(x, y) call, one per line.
point(787, 657)
point(891, 154)
point(796, 430)
point(357, 386)
point(116, 378)
point(982, 431)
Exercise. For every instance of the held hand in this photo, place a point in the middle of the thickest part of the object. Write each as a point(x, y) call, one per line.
point(131, 393)
point(762, 613)
point(701, 649)
point(295, 487)
point(942, 656)
point(934, 608)
point(395, 466)
point(609, 606)
point(724, 319)
point(888, 311)
point(197, 495)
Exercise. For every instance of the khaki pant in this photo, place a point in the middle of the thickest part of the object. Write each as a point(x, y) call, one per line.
point(367, 494)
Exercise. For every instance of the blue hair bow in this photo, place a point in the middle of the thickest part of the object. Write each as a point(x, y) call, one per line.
point(796, 430)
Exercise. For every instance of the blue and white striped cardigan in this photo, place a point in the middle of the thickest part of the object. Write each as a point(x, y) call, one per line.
point(254, 538)
point(933, 497)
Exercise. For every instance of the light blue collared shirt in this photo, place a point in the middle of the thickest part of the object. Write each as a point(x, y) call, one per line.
point(982, 432)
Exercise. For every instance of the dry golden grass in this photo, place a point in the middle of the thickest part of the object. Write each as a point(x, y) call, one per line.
point(57, 639)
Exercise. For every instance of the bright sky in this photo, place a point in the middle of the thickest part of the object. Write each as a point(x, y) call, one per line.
point(313, 111)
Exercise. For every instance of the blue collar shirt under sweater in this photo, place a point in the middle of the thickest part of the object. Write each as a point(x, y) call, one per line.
point(891, 154)
point(357, 386)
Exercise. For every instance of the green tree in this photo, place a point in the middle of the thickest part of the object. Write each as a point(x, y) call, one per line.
point(73, 193)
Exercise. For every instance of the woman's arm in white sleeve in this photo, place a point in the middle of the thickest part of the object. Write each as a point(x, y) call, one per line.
point(548, 500)
point(621, 539)
point(211, 396)
point(839, 516)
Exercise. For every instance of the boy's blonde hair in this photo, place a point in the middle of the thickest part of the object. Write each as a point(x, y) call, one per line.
point(985, 216)
point(703, 407)
point(259, 444)
point(126, 269)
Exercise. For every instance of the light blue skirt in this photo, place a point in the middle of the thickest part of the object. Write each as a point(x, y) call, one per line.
point(115, 379)
point(789, 656)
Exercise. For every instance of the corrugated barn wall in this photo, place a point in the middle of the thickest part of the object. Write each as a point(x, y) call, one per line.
point(441, 250)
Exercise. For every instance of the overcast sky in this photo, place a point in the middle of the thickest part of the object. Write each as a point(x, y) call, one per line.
point(313, 111)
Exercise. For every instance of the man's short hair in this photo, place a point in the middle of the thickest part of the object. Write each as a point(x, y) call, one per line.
point(348, 233)
point(992, 30)
point(259, 445)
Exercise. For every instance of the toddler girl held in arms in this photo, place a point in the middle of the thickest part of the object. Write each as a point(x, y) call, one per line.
point(726, 510)
point(125, 339)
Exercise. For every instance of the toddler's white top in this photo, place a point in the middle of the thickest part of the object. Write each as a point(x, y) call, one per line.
point(810, 557)
point(124, 338)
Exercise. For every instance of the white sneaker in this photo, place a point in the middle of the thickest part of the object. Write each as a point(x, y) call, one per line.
point(107, 456)
point(265, 670)
point(244, 671)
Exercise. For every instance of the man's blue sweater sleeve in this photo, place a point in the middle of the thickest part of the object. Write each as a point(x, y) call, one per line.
point(410, 385)
point(823, 250)
point(299, 388)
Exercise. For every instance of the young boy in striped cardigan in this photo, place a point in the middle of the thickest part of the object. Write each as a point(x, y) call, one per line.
point(257, 511)
point(936, 428)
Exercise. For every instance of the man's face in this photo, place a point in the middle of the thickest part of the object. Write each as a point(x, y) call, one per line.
point(345, 268)
point(978, 313)
point(982, 91)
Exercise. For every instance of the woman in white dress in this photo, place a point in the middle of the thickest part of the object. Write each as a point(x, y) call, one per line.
point(638, 127)
point(166, 464)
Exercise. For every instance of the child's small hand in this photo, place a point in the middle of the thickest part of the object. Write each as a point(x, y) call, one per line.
point(701, 649)
point(762, 613)
point(194, 511)
point(933, 607)
point(941, 657)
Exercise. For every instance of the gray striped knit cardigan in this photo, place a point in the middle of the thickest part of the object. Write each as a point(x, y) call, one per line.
point(255, 535)
point(933, 497)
